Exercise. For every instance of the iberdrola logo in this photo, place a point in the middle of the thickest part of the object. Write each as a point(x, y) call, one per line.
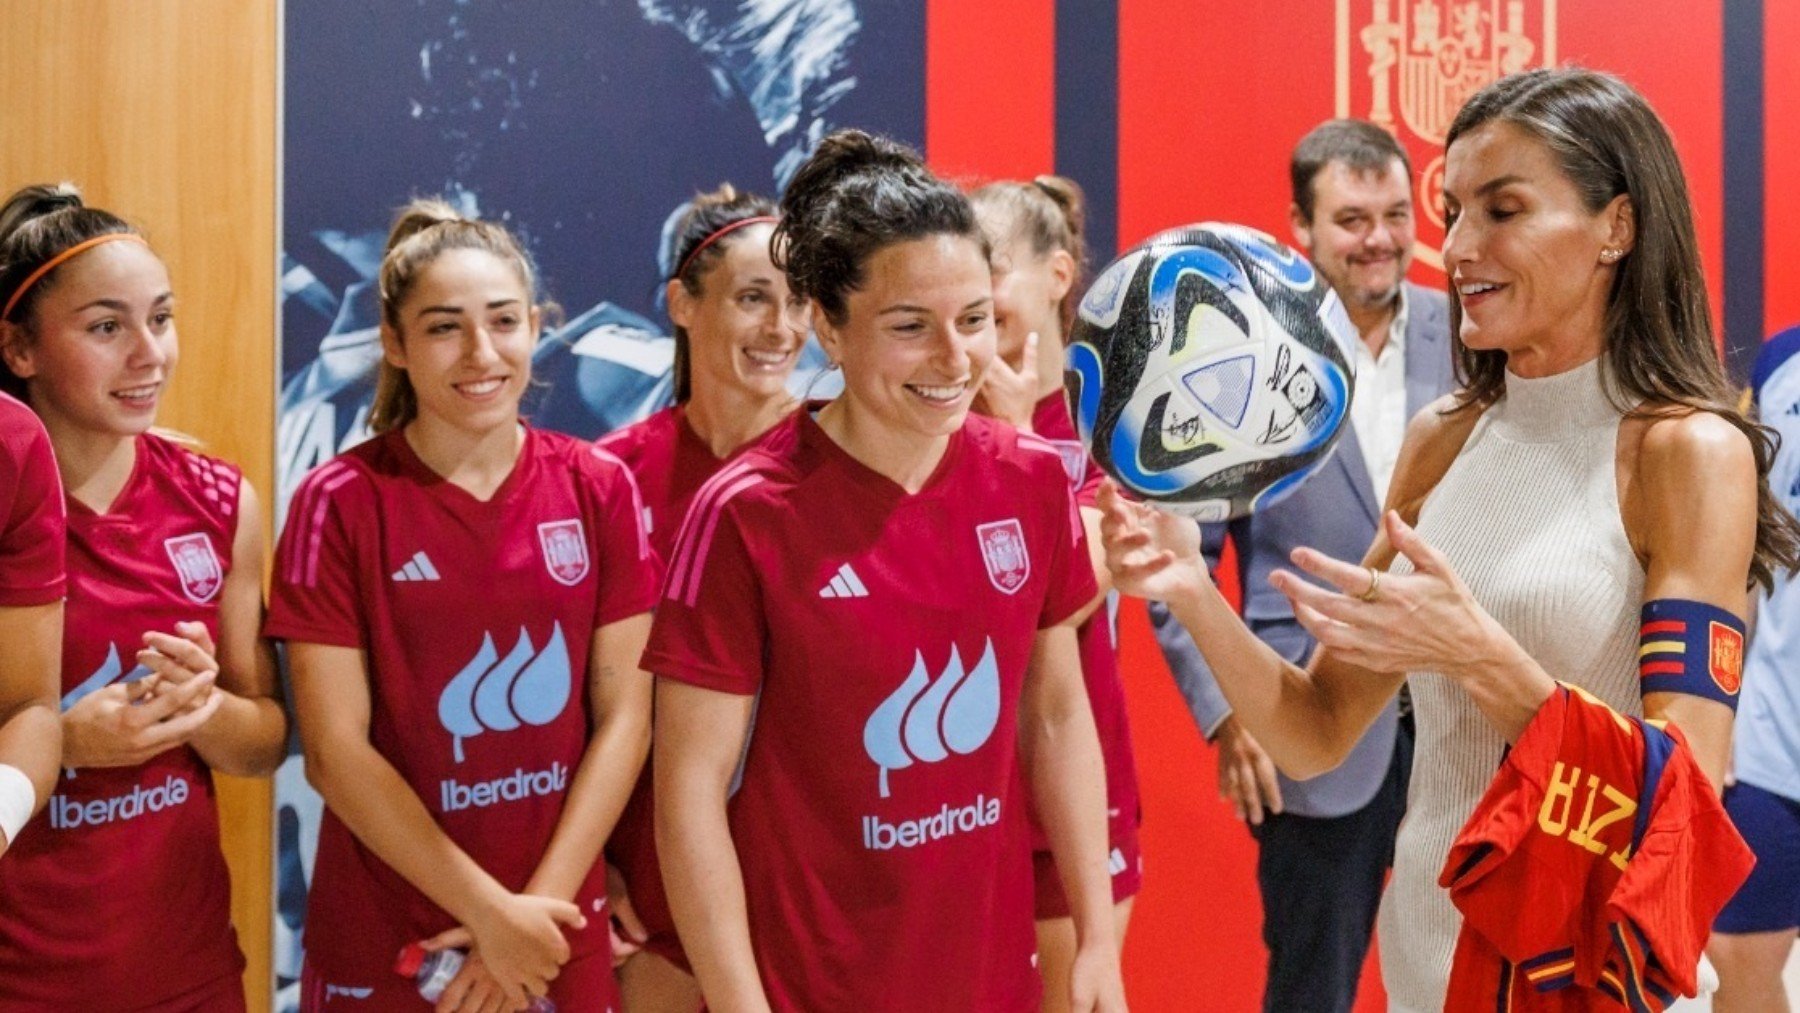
point(491, 693)
point(927, 719)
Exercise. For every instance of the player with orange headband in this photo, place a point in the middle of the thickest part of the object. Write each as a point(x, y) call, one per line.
point(738, 332)
point(120, 889)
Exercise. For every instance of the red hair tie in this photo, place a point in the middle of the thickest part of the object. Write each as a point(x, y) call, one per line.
point(718, 234)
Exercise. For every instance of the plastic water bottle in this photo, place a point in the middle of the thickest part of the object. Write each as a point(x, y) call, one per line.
point(434, 971)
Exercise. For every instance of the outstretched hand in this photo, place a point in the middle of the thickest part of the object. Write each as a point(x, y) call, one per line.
point(1151, 554)
point(1389, 622)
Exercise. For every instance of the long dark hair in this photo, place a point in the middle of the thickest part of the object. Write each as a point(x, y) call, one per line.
point(37, 224)
point(857, 195)
point(698, 221)
point(1659, 344)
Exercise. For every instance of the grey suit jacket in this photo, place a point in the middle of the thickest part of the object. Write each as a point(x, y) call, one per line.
point(1334, 511)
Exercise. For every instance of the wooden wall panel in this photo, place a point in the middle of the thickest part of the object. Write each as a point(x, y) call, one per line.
point(165, 111)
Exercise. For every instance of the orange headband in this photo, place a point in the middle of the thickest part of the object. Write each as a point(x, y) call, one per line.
point(723, 231)
point(50, 265)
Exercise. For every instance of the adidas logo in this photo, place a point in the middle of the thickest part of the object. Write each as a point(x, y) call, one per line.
point(844, 585)
point(417, 568)
point(1115, 862)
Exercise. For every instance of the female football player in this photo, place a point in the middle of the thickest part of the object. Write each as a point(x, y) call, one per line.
point(119, 897)
point(1594, 476)
point(1036, 231)
point(32, 581)
point(464, 599)
point(871, 613)
point(738, 332)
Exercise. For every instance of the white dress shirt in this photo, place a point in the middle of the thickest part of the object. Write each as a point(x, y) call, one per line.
point(1378, 408)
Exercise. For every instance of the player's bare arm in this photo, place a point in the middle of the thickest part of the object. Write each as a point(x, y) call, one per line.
point(699, 737)
point(519, 937)
point(619, 697)
point(1090, 523)
point(1689, 503)
point(1060, 750)
point(30, 733)
point(247, 734)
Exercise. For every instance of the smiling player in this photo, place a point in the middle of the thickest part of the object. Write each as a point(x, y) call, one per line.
point(164, 678)
point(888, 584)
point(738, 332)
point(464, 601)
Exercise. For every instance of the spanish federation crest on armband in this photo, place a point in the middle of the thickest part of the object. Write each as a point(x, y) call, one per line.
point(1691, 647)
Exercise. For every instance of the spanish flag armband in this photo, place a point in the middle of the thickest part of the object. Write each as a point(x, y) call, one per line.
point(1691, 647)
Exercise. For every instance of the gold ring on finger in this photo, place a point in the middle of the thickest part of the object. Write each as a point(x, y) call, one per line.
point(1374, 590)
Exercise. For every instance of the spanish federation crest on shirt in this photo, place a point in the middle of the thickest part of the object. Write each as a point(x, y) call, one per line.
point(1003, 550)
point(565, 550)
point(1409, 65)
point(197, 565)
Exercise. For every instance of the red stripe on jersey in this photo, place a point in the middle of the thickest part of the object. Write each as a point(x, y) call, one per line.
point(1032, 441)
point(1661, 668)
point(702, 505)
point(637, 497)
point(703, 545)
point(296, 521)
point(1663, 626)
point(312, 516)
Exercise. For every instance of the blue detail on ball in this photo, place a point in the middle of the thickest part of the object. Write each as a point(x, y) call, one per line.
point(1338, 399)
point(1208, 263)
point(1084, 362)
point(1213, 413)
point(1287, 265)
point(1279, 489)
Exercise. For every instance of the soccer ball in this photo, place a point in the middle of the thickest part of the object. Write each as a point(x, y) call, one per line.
point(1210, 370)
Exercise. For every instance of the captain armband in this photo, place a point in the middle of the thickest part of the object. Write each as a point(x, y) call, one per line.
point(1691, 647)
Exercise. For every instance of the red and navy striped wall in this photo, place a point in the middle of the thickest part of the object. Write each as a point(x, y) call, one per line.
point(1168, 111)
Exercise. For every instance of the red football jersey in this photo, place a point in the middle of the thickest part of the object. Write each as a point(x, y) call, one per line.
point(670, 462)
point(476, 619)
point(32, 544)
point(881, 819)
point(1590, 873)
point(119, 887)
point(1099, 647)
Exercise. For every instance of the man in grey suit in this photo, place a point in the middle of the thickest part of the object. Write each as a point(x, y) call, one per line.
point(1324, 845)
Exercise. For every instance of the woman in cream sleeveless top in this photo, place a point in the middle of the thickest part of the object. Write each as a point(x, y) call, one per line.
point(1549, 559)
point(1593, 460)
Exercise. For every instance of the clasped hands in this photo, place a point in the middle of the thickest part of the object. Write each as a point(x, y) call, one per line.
point(127, 723)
